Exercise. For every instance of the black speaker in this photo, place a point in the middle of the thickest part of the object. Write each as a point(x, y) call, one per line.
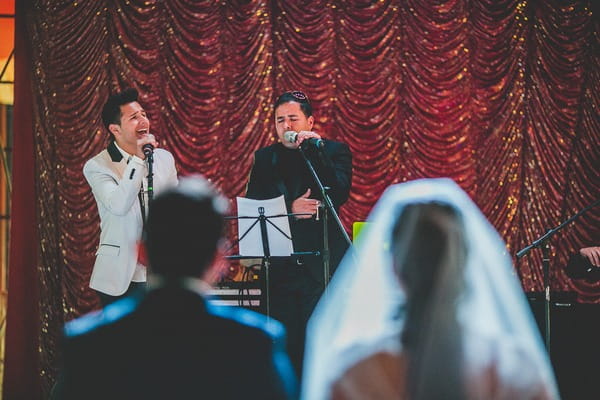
point(574, 343)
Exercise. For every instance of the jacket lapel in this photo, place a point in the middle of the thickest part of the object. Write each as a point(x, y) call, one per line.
point(278, 179)
point(118, 163)
point(115, 154)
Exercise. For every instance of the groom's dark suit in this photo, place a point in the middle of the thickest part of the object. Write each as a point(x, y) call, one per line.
point(172, 344)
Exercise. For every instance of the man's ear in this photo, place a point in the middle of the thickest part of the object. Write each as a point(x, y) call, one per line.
point(114, 129)
point(311, 121)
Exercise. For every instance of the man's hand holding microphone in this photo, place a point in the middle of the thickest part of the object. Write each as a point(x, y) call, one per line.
point(304, 139)
point(146, 145)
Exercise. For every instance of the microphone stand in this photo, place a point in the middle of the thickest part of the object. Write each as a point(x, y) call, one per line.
point(543, 243)
point(328, 208)
point(150, 177)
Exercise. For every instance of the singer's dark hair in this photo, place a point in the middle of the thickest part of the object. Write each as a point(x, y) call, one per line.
point(295, 96)
point(184, 226)
point(111, 112)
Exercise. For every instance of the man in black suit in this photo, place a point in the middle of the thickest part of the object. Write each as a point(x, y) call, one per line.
point(170, 342)
point(279, 169)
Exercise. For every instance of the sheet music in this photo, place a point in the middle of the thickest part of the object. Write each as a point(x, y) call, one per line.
point(251, 244)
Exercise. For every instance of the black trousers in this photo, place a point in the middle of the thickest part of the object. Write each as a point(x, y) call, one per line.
point(293, 294)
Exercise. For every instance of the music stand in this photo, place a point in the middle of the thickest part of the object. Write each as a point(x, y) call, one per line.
point(266, 244)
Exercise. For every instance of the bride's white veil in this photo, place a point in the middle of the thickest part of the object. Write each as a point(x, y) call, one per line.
point(363, 299)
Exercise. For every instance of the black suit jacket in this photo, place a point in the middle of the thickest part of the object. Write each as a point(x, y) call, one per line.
point(278, 171)
point(172, 344)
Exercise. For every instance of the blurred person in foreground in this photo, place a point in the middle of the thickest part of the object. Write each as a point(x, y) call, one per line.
point(170, 342)
point(427, 306)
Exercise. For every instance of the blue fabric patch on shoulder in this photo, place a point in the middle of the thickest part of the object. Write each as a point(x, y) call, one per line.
point(96, 319)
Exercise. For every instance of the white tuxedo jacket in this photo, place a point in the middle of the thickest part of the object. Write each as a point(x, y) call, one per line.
point(116, 185)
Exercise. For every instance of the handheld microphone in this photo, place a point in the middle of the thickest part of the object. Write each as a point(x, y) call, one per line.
point(148, 149)
point(292, 137)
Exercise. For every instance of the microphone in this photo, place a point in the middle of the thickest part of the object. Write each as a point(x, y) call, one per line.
point(148, 149)
point(292, 137)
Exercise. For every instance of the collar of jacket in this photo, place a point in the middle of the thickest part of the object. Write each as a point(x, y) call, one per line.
point(114, 153)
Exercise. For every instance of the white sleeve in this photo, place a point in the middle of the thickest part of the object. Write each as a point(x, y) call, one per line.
point(117, 196)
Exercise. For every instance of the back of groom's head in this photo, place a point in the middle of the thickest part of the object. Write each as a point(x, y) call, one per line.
point(184, 227)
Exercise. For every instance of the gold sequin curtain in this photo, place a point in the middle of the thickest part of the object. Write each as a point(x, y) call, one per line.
point(500, 95)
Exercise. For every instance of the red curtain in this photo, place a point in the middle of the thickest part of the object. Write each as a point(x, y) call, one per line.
point(21, 378)
point(500, 95)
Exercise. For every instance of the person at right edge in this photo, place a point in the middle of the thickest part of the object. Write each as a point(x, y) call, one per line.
point(295, 285)
point(585, 264)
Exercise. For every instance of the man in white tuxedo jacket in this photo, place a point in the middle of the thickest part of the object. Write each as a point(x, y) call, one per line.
point(118, 178)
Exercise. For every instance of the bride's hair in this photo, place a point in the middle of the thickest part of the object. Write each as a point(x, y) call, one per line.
point(429, 253)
